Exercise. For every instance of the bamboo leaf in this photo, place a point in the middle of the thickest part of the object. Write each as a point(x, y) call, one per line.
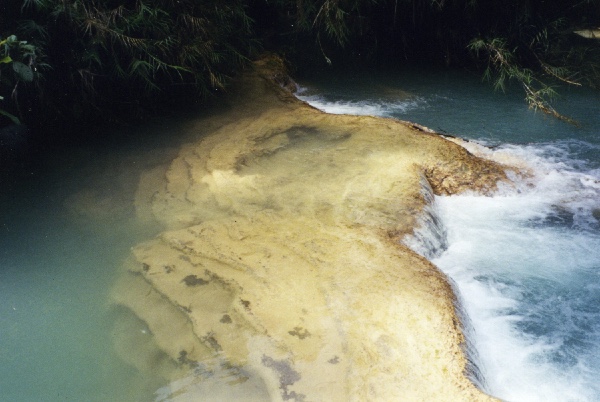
point(13, 118)
point(24, 72)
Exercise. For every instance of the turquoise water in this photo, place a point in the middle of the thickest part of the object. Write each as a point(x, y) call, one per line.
point(66, 225)
point(526, 261)
point(54, 318)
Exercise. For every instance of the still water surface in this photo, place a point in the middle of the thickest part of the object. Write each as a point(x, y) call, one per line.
point(66, 224)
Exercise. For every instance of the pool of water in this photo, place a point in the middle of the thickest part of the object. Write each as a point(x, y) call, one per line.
point(67, 223)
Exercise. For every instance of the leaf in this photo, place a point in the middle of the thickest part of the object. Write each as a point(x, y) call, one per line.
point(14, 119)
point(5, 60)
point(23, 71)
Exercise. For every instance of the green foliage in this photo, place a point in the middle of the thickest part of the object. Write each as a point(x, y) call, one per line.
point(18, 67)
point(539, 55)
point(503, 66)
point(331, 23)
point(527, 41)
point(112, 58)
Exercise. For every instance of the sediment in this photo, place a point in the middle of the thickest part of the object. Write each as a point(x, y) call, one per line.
point(281, 273)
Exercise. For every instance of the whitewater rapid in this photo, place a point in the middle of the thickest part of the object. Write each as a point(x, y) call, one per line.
point(525, 263)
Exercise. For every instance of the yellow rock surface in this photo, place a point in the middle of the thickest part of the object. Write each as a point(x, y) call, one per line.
point(281, 274)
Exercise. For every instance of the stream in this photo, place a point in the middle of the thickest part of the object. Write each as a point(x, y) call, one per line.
point(526, 262)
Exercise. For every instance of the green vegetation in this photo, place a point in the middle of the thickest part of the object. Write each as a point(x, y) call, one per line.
point(111, 60)
point(530, 42)
point(18, 68)
point(87, 61)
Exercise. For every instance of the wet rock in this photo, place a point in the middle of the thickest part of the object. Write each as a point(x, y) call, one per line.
point(295, 217)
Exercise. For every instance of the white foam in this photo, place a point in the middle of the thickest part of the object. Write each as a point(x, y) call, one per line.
point(374, 107)
point(527, 261)
point(517, 259)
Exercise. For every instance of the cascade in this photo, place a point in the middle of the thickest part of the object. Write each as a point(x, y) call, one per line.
point(430, 239)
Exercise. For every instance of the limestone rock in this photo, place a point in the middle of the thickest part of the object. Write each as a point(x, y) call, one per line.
point(281, 265)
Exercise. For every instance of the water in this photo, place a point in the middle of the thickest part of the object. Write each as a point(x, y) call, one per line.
point(53, 322)
point(66, 225)
point(526, 261)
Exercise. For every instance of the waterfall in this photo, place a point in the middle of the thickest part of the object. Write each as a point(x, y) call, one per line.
point(429, 239)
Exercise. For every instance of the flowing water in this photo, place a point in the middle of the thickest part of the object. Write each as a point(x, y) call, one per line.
point(526, 261)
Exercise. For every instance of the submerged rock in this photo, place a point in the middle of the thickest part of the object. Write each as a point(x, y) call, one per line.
point(281, 267)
